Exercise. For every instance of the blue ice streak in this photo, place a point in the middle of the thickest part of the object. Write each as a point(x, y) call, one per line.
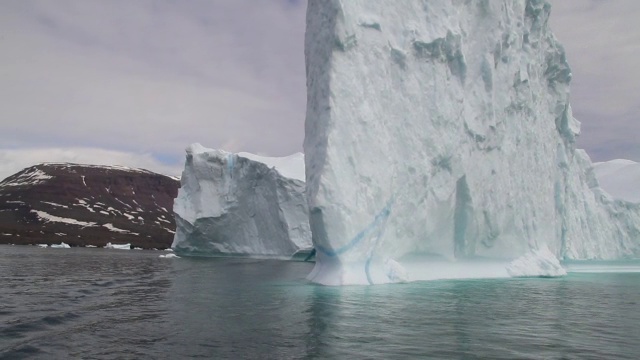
point(380, 217)
point(230, 164)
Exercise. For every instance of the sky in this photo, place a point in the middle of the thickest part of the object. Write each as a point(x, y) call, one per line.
point(134, 82)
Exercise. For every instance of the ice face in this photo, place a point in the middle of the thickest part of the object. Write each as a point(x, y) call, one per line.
point(537, 263)
point(444, 129)
point(240, 204)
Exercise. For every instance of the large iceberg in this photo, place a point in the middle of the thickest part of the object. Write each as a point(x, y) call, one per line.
point(241, 204)
point(442, 129)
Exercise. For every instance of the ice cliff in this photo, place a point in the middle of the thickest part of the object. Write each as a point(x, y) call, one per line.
point(241, 204)
point(443, 129)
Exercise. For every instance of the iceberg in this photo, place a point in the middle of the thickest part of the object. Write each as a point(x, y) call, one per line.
point(241, 204)
point(443, 129)
point(537, 263)
point(62, 245)
point(118, 246)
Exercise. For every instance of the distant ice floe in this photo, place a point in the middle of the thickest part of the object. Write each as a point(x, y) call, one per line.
point(118, 246)
point(62, 245)
point(169, 256)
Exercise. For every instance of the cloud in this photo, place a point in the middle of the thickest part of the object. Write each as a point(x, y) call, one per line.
point(602, 41)
point(153, 76)
point(12, 161)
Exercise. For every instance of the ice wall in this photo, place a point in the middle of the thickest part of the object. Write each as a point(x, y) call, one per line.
point(241, 204)
point(443, 128)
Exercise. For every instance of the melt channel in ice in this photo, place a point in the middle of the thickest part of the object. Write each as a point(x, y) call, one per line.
point(241, 204)
point(441, 132)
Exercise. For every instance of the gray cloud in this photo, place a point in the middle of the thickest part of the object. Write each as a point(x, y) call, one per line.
point(602, 40)
point(154, 76)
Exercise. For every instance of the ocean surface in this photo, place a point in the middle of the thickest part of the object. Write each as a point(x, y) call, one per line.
point(118, 304)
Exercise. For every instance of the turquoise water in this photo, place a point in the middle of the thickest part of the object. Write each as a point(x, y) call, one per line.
point(111, 304)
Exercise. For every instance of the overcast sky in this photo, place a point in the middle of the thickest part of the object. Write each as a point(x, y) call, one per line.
point(134, 82)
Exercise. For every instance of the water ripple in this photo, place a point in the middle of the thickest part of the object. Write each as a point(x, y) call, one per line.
point(108, 305)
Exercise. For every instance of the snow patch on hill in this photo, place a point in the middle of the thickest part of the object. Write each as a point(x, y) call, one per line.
point(48, 217)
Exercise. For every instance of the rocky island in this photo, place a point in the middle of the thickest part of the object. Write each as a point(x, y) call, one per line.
point(85, 205)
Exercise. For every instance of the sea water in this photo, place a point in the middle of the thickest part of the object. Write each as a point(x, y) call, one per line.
point(114, 304)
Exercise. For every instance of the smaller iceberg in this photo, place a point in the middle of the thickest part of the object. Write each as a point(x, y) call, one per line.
point(241, 205)
point(42, 245)
point(537, 263)
point(169, 256)
point(118, 246)
point(395, 272)
point(62, 245)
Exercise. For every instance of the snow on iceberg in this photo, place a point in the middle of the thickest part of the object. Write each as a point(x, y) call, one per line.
point(537, 263)
point(241, 204)
point(444, 128)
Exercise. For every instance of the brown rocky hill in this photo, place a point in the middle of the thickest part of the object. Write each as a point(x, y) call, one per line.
point(87, 205)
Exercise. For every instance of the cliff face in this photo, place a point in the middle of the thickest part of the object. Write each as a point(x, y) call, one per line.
point(443, 128)
point(87, 205)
